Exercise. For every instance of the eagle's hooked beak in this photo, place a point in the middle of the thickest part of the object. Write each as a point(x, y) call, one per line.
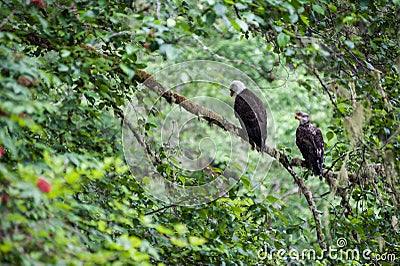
point(232, 93)
point(298, 116)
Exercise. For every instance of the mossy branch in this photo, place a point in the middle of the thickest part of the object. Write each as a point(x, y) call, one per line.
point(216, 119)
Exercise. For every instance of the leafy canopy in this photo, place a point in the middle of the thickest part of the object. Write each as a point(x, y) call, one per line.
point(68, 68)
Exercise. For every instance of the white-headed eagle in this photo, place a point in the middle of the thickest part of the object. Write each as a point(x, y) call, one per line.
point(310, 142)
point(251, 113)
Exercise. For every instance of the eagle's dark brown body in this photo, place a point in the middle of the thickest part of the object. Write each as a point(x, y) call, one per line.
point(250, 111)
point(310, 142)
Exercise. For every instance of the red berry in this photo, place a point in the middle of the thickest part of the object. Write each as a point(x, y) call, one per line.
point(24, 81)
point(38, 3)
point(4, 198)
point(1, 151)
point(43, 185)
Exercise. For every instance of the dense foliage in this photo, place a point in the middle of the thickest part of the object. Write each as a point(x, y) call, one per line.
point(68, 69)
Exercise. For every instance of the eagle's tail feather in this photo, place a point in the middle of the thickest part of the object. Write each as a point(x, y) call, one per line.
point(317, 169)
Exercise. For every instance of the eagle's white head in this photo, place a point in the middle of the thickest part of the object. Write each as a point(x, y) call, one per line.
point(302, 117)
point(236, 87)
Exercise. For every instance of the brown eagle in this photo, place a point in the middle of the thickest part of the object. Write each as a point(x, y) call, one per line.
point(251, 113)
point(310, 142)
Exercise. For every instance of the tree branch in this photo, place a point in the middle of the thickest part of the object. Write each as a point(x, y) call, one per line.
point(157, 160)
point(213, 118)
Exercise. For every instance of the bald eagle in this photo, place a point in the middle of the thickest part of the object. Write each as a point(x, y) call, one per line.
point(310, 142)
point(251, 113)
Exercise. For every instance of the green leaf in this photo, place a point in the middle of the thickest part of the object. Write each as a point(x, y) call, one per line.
point(349, 44)
point(369, 66)
point(127, 70)
point(330, 135)
point(283, 39)
point(196, 241)
point(293, 17)
point(162, 229)
point(349, 19)
point(65, 53)
point(242, 24)
point(6, 246)
point(234, 24)
point(220, 10)
point(181, 228)
point(319, 9)
point(135, 241)
point(332, 8)
point(373, 45)
point(305, 20)
point(343, 108)
point(272, 199)
point(130, 49)
point(170, 51)
point(171, 23)
point(102, 225)
point(179, 242)
point(63, 68)
point(269, 48)
point(72, 177)
point(230, 2)
point(246, 181)
point(16, 218)
point(210, 18)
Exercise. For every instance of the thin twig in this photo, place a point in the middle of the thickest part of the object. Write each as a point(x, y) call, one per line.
point(4, 22)
point(160, 209)
point(158, 9)
point(314, 71)
point(237, 12)
point(116, 34)
point(339, 158)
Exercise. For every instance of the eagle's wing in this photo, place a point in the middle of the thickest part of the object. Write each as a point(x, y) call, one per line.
point(319, 144)
point(252, 115)
point(311, 145)
point(305, 143)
